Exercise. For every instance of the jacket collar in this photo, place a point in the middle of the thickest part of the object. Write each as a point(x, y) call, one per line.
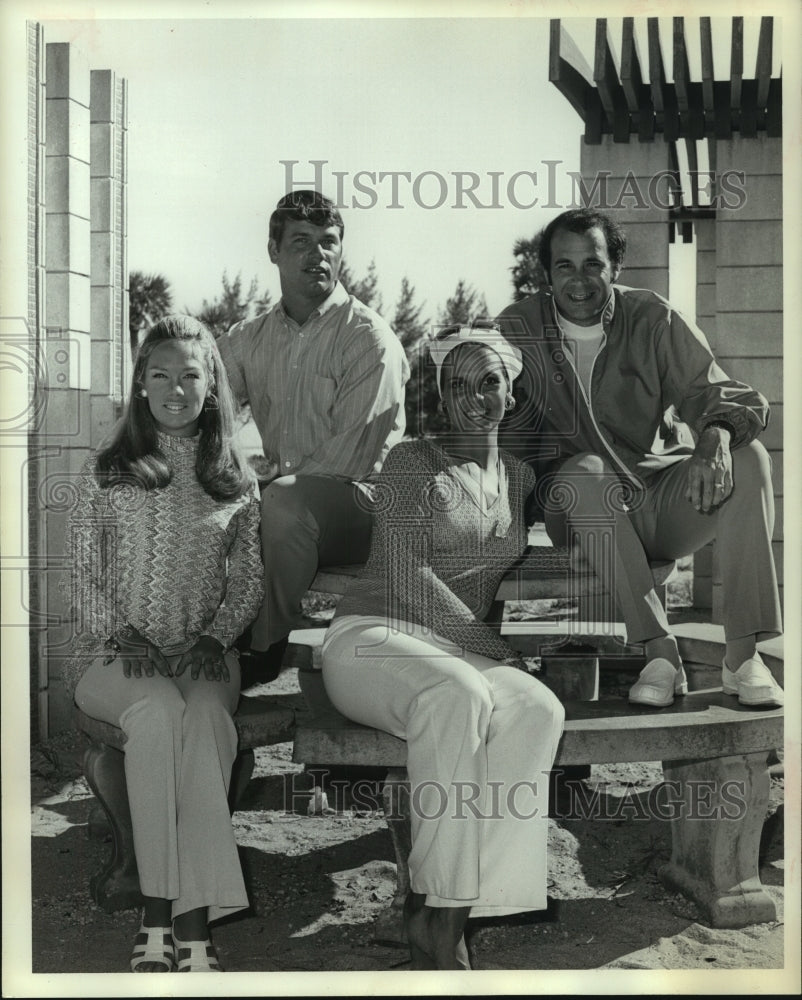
point(551, 307)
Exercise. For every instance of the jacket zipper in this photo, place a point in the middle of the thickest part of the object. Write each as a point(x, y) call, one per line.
point(587, 396)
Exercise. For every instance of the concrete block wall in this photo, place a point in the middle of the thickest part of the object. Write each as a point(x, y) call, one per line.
point(738, 274)
point(24, 443)
point(635, 199)
point(109, 265)
point(749, 296)
point(705, 240)
point(77, 320)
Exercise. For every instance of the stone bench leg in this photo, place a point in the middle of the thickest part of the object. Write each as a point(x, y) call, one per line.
point(389, 925)
point(115, 886)
point(721, 807)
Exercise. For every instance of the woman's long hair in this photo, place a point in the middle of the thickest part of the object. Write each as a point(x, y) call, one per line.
point(133, 452)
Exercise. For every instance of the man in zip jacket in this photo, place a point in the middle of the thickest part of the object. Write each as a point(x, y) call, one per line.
point(640, 438)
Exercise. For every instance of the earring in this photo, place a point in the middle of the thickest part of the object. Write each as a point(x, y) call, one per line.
point(143, 394)
point(509, 402)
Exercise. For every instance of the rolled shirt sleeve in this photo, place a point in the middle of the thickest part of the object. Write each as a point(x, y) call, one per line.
point(327, 397)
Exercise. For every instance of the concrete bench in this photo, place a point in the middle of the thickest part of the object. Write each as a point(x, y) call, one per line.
point(572, 648)
point(115, 886)
point(715, 757)
point(259, 721)
point(703, 737)
point(542, 572)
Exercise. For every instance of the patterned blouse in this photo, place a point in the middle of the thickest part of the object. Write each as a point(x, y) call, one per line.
point(439, 550)
point(173, 562)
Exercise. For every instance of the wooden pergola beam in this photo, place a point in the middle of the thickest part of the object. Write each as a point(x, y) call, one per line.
point(774, 109)
point(712, 163)
point(636, 92)
point(763, 65)
point(605, 76)
point(708, 73)
point(693, 169)
point(568, 69)
point(657, 72)
point(682, 71)
point(736, 70)
point(616, 98)
point(673, 167)
point(689, 94)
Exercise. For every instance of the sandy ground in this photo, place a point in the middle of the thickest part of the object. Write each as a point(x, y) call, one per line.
point(317, 883)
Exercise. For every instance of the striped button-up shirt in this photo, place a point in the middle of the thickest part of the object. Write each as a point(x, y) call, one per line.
point(327, 397)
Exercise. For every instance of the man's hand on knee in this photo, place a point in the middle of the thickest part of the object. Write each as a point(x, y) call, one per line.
point(710, 470)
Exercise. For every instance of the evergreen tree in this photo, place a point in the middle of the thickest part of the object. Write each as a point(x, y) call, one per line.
point(527, 273)
point(465, 305)
point(412, 330)
point(407, 323)
point(365, 289)
point(149, 300)
point(232, 306)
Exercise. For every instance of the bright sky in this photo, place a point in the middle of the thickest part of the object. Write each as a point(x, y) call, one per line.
point(216, 105)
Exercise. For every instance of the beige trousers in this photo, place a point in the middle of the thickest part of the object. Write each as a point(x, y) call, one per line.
point(481, 741)
point(180, 747)
point(307, 522)
point(618, 546)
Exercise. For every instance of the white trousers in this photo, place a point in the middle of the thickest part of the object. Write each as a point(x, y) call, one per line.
point(481, 741)
point(180, 745)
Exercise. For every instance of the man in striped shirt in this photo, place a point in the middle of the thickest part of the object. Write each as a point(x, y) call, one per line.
point(324, 376)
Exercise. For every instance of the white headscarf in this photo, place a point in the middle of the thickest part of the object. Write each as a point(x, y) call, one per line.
point(489, 336)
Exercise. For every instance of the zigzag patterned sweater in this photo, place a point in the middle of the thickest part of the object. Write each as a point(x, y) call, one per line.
point(173, 562)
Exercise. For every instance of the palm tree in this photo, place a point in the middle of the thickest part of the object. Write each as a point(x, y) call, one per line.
point(149, 300)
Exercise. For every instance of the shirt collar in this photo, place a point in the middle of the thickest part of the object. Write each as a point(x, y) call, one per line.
point(606, 315)
point(337, 297)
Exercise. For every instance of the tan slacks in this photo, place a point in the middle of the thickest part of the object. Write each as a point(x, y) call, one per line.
point(618, 546)
point(180, 745)
point(307, 522)
point(481, 741)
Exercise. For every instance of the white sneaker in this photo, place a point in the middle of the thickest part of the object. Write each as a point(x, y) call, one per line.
point(657, 684)
point(753, 683)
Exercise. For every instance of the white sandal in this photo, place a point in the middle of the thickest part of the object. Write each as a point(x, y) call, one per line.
point(153, 944)
point(196, 956)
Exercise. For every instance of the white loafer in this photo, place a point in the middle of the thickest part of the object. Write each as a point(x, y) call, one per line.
point(753, 683)
point(657, 684)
